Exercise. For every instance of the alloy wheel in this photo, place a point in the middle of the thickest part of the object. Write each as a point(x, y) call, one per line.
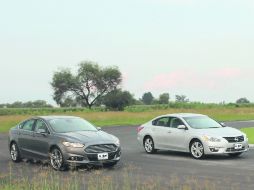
point(197, 149)
point(14, 152)
point(148, 145)
point(56, 159)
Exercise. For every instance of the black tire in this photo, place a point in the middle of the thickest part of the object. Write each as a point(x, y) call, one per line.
point(15, 153)
point(149, 145)
point(56, 160)
point(235, 154)
point(109, 164)
point(197, 149)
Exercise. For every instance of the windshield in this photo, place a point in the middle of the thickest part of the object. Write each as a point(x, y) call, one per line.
point(202, 122)
point(65, 125)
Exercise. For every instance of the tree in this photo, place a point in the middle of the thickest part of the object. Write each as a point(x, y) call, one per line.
point(118, 99)
point(181, 98)
point(164, 98)
point(242, 101)
point(89, 84)
point(147, 98)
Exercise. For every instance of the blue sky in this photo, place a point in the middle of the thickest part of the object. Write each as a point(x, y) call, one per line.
point(200, 48)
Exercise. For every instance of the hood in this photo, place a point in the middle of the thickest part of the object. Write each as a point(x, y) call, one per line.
point(89, 136)
point(220, 132)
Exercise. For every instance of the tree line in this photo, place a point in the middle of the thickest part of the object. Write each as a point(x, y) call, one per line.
point(93, 85)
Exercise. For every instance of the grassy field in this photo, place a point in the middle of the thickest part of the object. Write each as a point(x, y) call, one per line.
point(250, 134)
point(127, 178)
point(102, 118)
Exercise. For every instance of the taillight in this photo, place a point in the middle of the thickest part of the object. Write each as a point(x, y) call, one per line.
point(140, 128)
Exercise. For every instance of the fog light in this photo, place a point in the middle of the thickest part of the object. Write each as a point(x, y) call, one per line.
point(214, 149)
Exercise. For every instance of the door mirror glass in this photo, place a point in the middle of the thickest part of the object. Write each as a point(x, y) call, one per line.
point(181, 127)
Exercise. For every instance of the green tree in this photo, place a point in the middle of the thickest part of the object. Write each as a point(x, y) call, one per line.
point(147, 98)
point(181, 98)
point(242, 101)
point(89, 84)
point(164, 98)
point(118, 99)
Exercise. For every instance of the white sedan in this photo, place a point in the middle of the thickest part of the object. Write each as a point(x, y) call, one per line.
point(194, 133)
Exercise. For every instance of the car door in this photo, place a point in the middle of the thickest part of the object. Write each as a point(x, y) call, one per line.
point(178, 137)
point(161, 132)
point(25, 136)
point(40, 142)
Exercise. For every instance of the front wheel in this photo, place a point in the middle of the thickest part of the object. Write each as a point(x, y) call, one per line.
point(197, 149)
point(56, 159)
point(149, 145)
point(15, 154)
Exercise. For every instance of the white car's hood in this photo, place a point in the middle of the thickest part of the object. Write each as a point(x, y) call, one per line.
point(220, 132)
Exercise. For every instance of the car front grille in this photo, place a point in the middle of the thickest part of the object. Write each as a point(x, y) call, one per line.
point(101, 148)
point(111, 156)
point(235, 150)
point(234, 139)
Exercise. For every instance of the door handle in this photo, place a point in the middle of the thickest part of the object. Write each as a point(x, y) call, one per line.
point(169, 132)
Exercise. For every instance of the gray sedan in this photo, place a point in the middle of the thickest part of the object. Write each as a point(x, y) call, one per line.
point(64, 141)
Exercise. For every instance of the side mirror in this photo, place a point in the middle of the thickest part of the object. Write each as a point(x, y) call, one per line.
point(223, 124)
point(42, 132)
point(98, 128)
point(181, 127)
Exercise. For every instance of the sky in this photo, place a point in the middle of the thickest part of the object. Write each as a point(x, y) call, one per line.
point(203, 49)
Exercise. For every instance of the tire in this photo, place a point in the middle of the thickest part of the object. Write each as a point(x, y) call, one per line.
point(149, 145)
point(15, 153)
point(109, 165)
point(235, 154)
point(56, 160)
point(197, 149)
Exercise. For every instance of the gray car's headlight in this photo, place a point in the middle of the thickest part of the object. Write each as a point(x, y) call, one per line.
point(211, 139)
point(73, 145)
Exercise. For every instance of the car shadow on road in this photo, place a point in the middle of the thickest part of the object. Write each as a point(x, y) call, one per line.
point(186, 155)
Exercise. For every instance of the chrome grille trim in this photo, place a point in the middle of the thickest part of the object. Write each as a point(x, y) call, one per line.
point(100, 148)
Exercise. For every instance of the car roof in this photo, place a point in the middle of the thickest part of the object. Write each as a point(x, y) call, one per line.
point(49, 117)
point(182, 115)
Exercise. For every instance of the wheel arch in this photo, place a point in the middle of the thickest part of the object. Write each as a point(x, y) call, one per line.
point(193, 139)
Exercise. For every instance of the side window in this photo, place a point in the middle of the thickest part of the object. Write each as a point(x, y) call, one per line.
point(164, 122)
point(27, 125)
point(175, 122)
point(40, 125)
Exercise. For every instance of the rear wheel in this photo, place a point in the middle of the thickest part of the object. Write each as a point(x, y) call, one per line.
point(197, 149)
point(149, 145)
point(56, 160)
point(235, 154)
point(15, 154)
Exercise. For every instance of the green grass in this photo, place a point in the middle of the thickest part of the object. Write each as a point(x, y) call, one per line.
point(110, 118)
point(250, 134)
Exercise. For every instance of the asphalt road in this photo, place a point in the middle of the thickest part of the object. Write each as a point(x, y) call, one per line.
point(222, 171)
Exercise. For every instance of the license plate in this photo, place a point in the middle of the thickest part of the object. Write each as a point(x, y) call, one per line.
point(238, 146)
point(103, 156)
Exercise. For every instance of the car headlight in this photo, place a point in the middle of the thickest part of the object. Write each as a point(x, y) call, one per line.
point(211, 139)
point(117, 142)
point(73, 145)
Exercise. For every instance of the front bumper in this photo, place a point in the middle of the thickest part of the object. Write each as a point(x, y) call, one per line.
point(78, 157)
point(225, 147)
